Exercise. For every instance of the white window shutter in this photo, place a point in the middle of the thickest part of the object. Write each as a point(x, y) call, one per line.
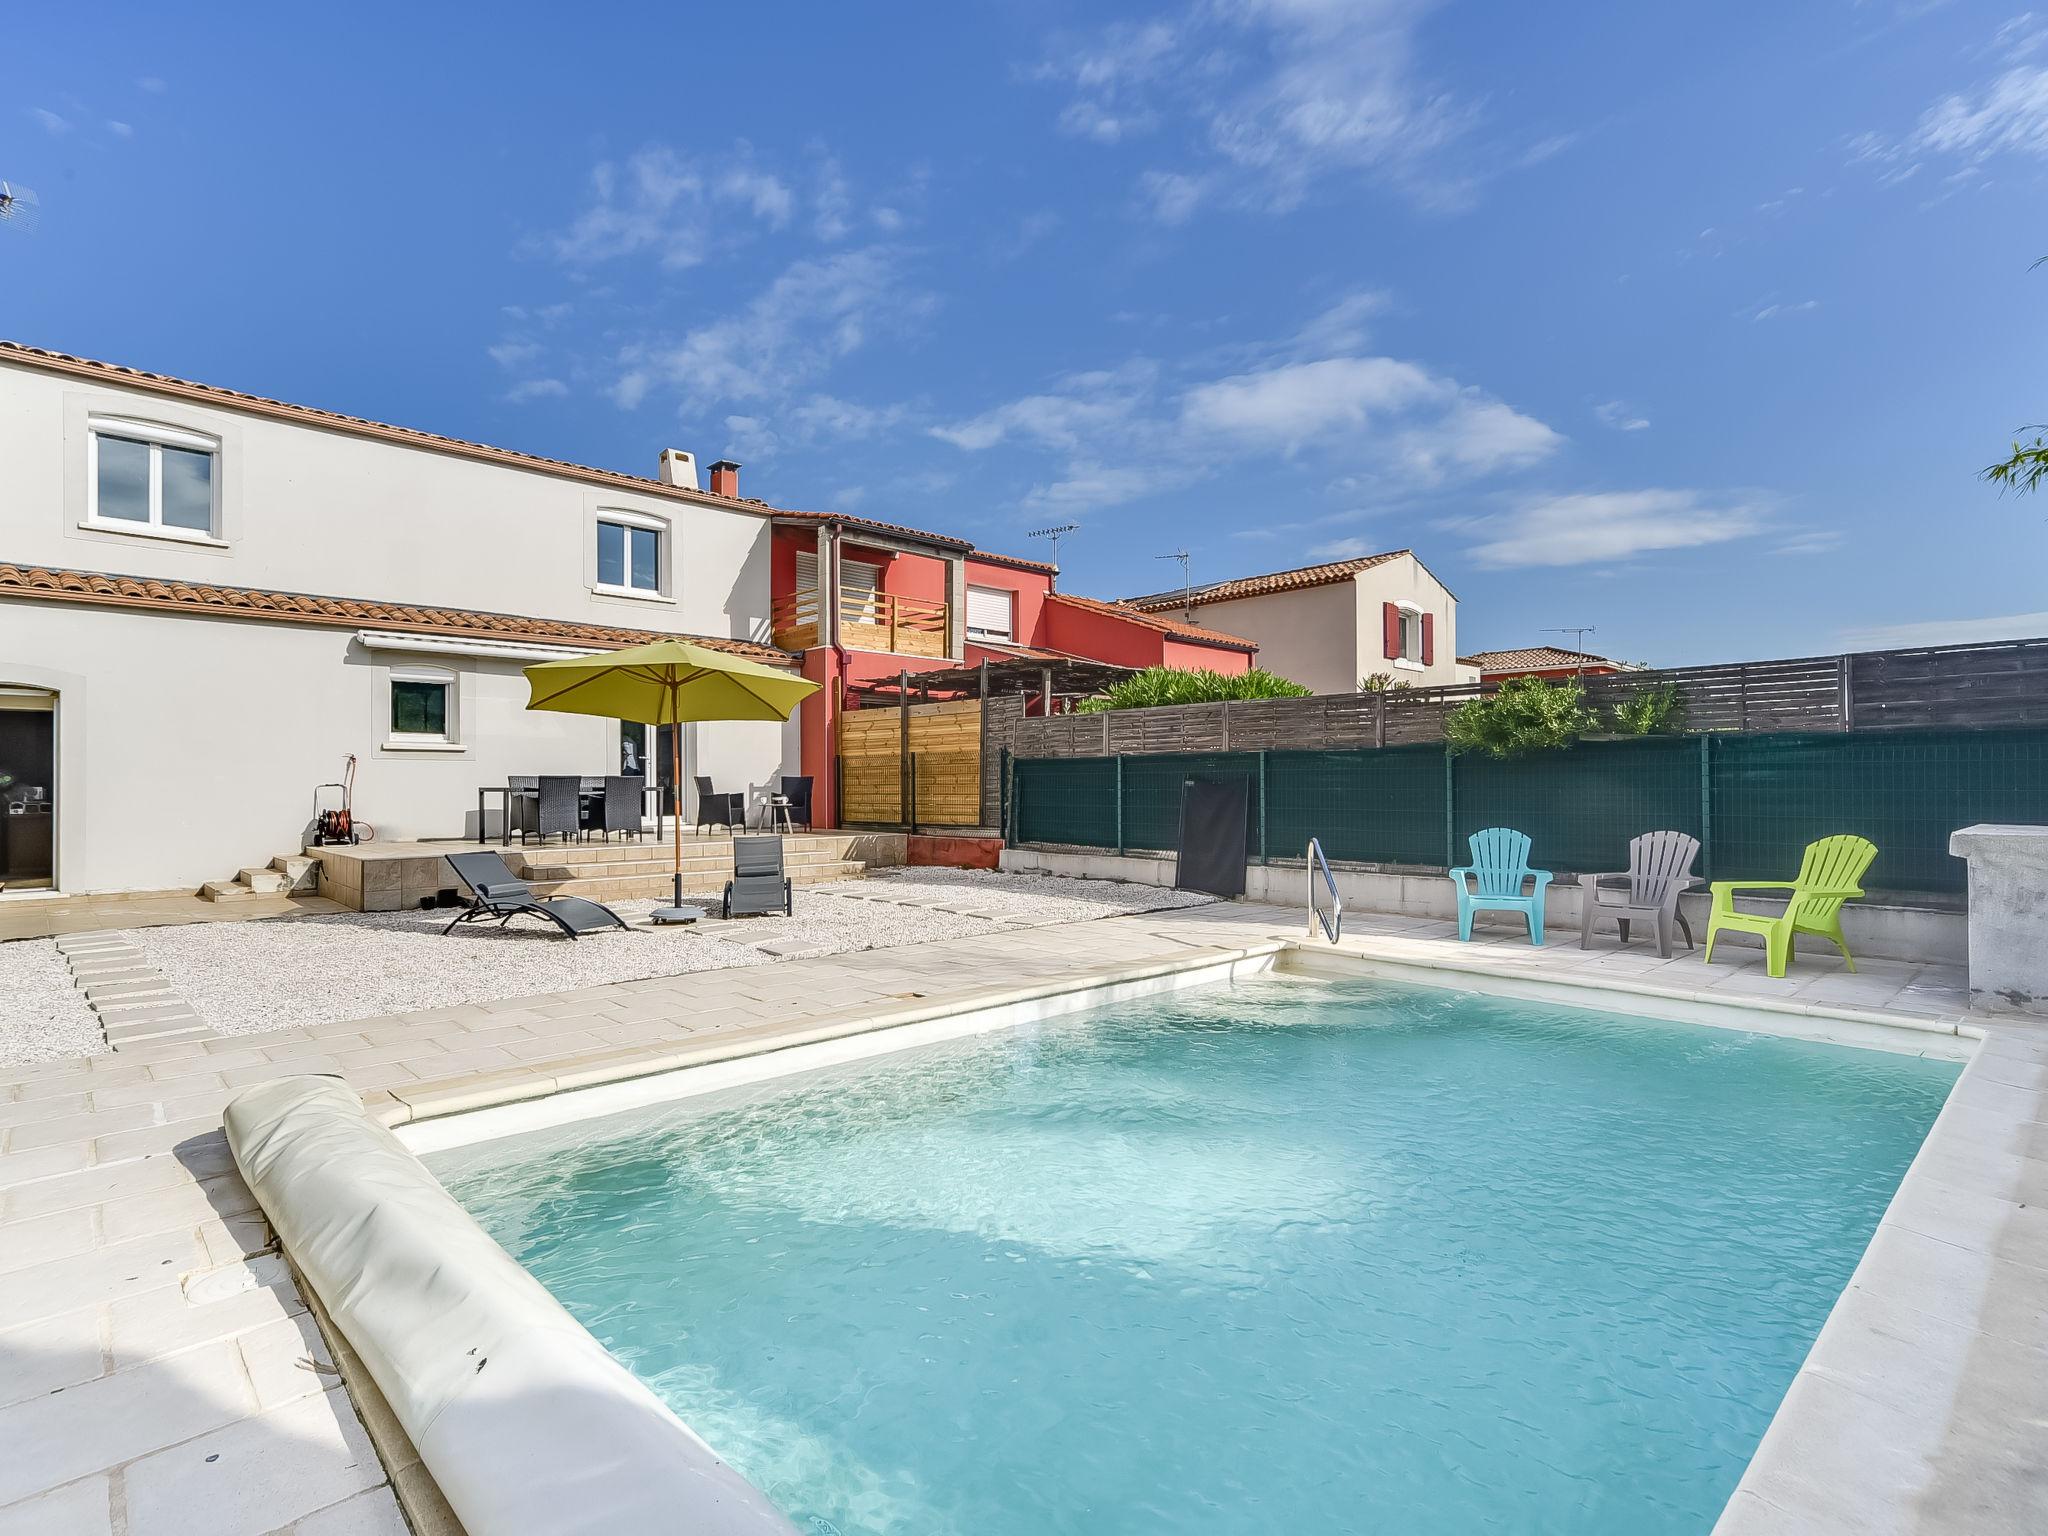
point(991, 613)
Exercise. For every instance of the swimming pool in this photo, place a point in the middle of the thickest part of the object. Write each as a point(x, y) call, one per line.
point(1280, 1256)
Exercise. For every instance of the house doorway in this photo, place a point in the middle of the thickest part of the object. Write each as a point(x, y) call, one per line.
point(28, 789)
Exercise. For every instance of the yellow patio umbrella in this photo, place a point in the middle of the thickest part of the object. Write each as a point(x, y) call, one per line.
point(668, 682)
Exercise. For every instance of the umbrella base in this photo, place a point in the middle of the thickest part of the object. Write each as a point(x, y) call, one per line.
point(675, 914)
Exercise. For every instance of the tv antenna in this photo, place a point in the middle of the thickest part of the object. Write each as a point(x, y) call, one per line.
point(1187, 584)
point(1578, 632)
point(1055, 534)
point(19, 208)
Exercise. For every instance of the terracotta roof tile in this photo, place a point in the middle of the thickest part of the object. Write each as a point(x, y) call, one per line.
point(1178, 628)
point(1275, 581)
point(1017, 561)
point(1536, 658)
point(40, 583)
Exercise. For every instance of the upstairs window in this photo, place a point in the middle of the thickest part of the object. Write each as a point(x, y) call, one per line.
point(1410, 635)
point(422, 706)
point(148, 479)
point(992, 614)
point(629, 554)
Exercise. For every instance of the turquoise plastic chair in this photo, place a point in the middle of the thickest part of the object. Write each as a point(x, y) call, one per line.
point(1493, 881)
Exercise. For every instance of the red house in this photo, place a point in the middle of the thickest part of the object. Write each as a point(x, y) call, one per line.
point(864, 602)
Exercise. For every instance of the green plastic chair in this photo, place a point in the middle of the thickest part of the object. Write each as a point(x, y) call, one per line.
point(1828, 876)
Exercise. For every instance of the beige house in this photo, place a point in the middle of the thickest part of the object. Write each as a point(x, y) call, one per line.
point(1334, 627)
point(209, 599)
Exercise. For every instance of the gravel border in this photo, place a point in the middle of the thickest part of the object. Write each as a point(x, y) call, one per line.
point(280, 973)
point(43, 1015)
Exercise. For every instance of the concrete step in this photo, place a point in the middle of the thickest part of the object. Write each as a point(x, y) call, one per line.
point(263, 880)
point(698, 884)
point(228, 890)
point(301, 875)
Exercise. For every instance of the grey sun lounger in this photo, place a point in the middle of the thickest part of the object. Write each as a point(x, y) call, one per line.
point(495, 892)
point(759, 884)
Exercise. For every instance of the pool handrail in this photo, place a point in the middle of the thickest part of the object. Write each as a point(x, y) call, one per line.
point(1333, 924)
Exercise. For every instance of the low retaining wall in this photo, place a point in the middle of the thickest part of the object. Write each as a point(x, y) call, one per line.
point(1879, 931)
point(526, 1423)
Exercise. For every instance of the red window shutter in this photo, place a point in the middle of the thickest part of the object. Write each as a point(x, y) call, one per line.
point(1428, 639)
point(1391, 617)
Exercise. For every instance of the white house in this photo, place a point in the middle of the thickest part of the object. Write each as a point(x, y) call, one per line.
point(209, 599)
point(1332, 627)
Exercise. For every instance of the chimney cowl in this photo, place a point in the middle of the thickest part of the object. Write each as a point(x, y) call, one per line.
point(725, 478)
point(678, 469)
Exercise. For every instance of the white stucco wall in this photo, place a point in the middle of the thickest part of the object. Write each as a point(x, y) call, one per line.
point(306, 509)
point(188, 747)
point(1407, 580)
point(1327, 638)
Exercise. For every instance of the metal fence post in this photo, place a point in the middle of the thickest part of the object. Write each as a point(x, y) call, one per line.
point(1450, 809)
point(1007, 793)
point(1706, 807)
point(1847, 664)
point(1262, 802)
point(1119, 804)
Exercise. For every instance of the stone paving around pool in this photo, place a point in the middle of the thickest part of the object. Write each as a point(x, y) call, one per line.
point(159, 1372)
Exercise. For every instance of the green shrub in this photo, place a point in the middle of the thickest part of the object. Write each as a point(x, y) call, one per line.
point(1178, 685)
point(1654, 711)
point(1527, 715)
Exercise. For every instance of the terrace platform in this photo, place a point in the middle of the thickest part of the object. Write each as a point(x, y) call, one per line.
point(393, 876)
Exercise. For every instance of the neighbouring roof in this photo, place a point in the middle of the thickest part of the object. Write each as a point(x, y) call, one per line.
point(1180, 629)
point(1537, 658)
point(42, 584)
point(412, 437)
point(1274, 581)
point(1018, 561)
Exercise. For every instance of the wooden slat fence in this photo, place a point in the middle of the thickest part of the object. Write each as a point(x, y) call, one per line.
point(1998, 684)
point(945, 749)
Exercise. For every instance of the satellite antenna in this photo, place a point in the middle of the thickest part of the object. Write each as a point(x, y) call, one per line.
point(1187, 584)
point(1578, 632)
point(19, 208)
point(1055, 534)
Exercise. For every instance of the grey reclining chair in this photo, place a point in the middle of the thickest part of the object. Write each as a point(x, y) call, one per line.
point(759, 884)
point(1659, 870)
point(494, 891)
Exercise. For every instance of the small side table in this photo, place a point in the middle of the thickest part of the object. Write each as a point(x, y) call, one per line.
point(776, 810)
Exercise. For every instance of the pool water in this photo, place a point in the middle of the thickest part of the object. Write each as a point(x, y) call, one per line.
point(1284, 1256)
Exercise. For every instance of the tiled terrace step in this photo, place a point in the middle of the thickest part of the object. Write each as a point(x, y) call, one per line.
point(657, 882)
point(286, 873)
point(550, 864)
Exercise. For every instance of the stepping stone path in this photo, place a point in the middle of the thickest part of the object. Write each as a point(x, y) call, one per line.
point(133, 1001)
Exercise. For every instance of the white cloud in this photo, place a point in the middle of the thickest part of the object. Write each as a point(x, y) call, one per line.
point(1341, 549)
point(2004, 114)
point(749, 437)
point(1081, 406)
point(511, 354)
point(832, 203)
point(1590, 527)
point(536, 389)
point(153, 85)
point(1288, 406)
point(816, 312)
point(1278, 95)
point(826, 416)
point(1885, 637)
point(120, 130)
point(52, 124)
point(1773, 309)
point(662, 203)
point(1475, 436)
point(1620, 415)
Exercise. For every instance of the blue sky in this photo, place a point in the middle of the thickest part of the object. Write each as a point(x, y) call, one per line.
point(1693, 322)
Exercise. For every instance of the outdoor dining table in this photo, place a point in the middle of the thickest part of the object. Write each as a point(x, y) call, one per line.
point(590, 793)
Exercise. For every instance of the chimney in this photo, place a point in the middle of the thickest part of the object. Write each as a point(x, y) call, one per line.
point(678, 469)
point(725, 478)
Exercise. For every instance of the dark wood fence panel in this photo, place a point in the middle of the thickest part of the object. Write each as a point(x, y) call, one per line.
point(1957, 686)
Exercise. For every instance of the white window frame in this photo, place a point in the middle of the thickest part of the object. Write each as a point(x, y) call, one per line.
point(157, 438)
point(664, 534)
point(1411, 628)
point(449, 739)
point(1009, 596)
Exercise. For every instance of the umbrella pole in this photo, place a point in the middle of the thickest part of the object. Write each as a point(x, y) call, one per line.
point(675, 745)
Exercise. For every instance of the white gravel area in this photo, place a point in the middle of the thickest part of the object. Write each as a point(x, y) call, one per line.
point(43, 1016)
point(280, 973)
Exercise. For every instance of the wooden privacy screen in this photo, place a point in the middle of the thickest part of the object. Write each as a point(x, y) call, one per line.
point(945, 747)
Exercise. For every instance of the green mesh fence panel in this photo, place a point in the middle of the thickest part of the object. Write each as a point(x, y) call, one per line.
point(1383, 807)
point(1904, 790)
point(1152, 793)
point(1580, 807)
point(1066, 800)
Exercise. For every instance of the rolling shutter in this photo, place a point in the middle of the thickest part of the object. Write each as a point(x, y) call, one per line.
point(991, 613)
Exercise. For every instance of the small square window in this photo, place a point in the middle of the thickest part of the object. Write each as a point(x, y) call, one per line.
point(419, 708)
point(153, 479)
point(628, 557)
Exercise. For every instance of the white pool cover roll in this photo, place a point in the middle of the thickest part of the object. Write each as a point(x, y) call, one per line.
point(527, 1424)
